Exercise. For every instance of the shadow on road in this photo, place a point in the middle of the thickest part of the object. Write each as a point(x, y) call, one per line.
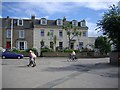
point(24, 66)
point(88, 68)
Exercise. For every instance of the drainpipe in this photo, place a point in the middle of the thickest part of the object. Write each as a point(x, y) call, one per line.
point(11, 33)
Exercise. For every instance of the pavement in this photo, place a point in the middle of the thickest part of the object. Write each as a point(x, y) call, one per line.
point(56, 72)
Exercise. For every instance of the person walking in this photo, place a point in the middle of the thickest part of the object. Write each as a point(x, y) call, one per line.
point(32, 57)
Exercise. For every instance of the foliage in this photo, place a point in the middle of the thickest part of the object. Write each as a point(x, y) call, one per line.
point(33, 49)
point(110, 25)
point(1, 49)
point(48, 34)
point(46, 50)
point(103, 45)
point(42, 43)
point(71, 31)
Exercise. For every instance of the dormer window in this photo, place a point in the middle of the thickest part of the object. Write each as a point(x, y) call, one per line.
point(59, 22)
point(43, 21)
point(20, 22)
point(83, 24)
point(74, 23)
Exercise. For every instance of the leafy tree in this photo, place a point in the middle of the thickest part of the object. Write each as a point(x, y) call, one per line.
point(42, 43)
point(55, 41)
point(110, 25)
point(72, 31)
point(103, 45)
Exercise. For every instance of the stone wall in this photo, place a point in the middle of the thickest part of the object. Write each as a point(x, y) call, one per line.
point(115, 58)
point(65, 54)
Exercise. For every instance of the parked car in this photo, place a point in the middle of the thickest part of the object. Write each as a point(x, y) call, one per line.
point(9, 54)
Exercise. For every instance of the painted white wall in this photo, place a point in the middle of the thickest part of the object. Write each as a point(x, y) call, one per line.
point(37, 38)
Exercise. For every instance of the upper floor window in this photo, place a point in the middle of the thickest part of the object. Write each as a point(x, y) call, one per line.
point(20, 22)
point(80, 45)
point(83, 24)
point(8, 33)
point(59, 22)
point(43, 21)
point(74, 23)
point(60, 33)
point(21, 34)
point(51, 33)
point(42, 32)
point(84, 33)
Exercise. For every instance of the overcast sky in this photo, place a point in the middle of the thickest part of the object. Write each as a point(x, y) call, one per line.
point(90, 10)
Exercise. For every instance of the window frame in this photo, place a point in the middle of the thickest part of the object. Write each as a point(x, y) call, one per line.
point(18, 22)
point(59, 22)
point(42, 32)
point(24, 46)
point(84, 33)
point(51, 33)
point(60, 45)
point(43, 19)
point(75, 23)
point(61, 33)
point(20, 36)
point(83, 24)
point(8, 33)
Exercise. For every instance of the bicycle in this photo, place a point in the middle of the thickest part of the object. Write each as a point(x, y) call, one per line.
point(72, 58)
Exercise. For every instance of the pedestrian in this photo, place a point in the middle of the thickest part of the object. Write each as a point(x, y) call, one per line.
point(32, 57)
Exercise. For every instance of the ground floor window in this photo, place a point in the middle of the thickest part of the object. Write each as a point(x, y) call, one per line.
point(51, 45)
point(22, 45)
point(60, 45)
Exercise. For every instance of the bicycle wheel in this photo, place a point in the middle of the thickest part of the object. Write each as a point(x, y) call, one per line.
point(76, 59)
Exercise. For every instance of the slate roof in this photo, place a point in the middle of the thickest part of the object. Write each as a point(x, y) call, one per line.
point(31, 23)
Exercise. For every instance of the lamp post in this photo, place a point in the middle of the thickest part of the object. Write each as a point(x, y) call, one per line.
point(11, 33)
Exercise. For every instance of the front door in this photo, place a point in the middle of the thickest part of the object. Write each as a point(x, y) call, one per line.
point(72, 45)
point(8, 44)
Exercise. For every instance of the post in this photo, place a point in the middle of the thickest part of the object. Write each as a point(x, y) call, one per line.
point(11, 33)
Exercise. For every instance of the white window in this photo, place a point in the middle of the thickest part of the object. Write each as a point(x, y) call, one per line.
point(21, 34)
point(22, 45)
point(43, 21)
point(42, 32)
point(80, 45)
point(59, 22)
point(51, 33)
point(84, 33)
point(8, 33)
point(83, 24)
point(60, 33)
point(20, 22)
point(74, 23)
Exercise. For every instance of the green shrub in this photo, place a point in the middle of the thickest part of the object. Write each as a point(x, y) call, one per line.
point(46, 50)
point(33, 49)
point(70, 51)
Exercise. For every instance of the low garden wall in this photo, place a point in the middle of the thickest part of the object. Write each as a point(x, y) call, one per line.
point(66, 54)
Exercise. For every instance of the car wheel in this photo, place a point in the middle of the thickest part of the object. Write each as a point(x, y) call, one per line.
point(18, 57)
point(3, 57)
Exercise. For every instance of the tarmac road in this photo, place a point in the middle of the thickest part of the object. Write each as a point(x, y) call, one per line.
point(58, 73)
